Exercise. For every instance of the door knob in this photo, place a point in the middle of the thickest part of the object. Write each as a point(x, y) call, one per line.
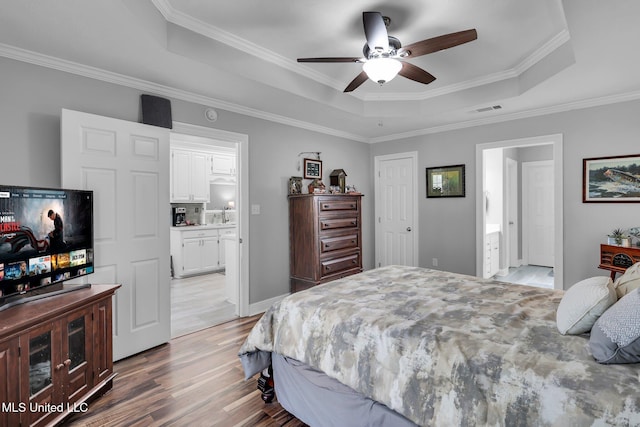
point(408, 228)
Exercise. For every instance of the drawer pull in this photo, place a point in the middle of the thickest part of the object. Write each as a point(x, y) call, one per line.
point(353, 262)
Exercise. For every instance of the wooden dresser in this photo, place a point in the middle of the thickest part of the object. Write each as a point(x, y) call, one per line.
point(325, 234)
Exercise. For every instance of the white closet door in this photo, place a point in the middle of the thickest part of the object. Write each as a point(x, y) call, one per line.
point(395, 212)
point(538, 212)
point(126, 164)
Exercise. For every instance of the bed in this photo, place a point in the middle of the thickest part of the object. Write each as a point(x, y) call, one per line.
point(411, 346)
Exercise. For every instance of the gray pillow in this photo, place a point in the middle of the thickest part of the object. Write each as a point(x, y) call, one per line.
point(615, 337)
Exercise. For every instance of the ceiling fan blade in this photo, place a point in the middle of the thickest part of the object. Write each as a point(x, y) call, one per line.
point(414, 73)
point(361, 78)
point(375, 31)
point(438, 43)
point(354, 59)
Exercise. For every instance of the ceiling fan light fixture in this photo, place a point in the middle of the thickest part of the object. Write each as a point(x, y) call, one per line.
point(382, 70)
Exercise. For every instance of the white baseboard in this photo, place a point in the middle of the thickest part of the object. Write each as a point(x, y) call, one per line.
point(262, 306)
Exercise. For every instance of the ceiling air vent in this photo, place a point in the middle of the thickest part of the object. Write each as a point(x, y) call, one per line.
point(491, 108)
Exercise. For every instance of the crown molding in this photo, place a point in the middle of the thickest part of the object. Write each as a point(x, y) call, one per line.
point(560, 108)
point(189, 22)
point(147, 86)
point(539, 54)
point(59, 64)
point(179, 18)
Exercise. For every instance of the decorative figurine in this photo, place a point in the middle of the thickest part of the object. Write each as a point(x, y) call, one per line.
point(337, 178)
point(316, 187)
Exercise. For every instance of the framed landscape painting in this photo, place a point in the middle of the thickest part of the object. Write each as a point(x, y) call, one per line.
point(446, 181)
point(611, 179)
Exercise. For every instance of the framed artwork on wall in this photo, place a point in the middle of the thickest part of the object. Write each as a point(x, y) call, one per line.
point(446, 181)
point(312, 169)
point(611, 179)
point(295, 185)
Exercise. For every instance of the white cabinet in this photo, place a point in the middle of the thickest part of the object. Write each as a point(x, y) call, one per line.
point(492, 254)
point(194, 251)
point(222, 164)
point(231, 270)
point(198, 250)
point(222, 252)
point(189, 176)
point(199, 254)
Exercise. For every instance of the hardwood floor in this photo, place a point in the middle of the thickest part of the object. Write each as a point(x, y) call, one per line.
point(194, 380)
point(199, 302)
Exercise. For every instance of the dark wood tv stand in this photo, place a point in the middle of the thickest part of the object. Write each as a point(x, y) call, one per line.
point(56, 355)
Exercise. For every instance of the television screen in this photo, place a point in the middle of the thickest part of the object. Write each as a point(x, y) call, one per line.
point(46, 237)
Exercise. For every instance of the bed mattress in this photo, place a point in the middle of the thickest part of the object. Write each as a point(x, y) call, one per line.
point(442, 348)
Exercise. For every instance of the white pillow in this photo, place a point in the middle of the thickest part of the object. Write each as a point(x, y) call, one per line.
point(583, 303)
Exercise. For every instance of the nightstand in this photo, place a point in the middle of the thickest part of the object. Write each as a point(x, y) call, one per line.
point(617, 259)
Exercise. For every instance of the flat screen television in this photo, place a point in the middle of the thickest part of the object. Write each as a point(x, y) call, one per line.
point(46, 238)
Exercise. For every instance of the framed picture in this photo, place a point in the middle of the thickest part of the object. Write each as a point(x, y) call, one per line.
point(611, 179)
point(312, 169)
point(446, 181)
point(295, 185)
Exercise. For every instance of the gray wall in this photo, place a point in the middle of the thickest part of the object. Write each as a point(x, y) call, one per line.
point(33, 96)
point(447, 228)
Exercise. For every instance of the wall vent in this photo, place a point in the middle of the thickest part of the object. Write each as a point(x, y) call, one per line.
point(491, 108)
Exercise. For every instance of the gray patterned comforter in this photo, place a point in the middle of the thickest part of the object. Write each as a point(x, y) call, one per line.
point(447, 349)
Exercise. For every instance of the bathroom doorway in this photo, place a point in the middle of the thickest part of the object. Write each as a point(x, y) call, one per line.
point(503, 225)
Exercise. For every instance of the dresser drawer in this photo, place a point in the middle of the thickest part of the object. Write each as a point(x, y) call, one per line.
point(338, 205)
point(334, 223)
point(328, 244)
point(336, 265)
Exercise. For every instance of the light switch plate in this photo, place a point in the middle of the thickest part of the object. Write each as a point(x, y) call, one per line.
point(255, 209)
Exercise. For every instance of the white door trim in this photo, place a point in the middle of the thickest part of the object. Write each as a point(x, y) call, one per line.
point(556, 141)
point(413, 155)
point(511, 206)
point(242, 206)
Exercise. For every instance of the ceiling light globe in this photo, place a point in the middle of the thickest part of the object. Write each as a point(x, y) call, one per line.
point(382, 70)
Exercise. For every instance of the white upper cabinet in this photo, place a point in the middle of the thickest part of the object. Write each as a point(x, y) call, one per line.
point(189, 176)
point(222, 163)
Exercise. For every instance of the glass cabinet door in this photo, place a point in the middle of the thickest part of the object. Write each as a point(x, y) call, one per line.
point(40, 373)
point(76, 332)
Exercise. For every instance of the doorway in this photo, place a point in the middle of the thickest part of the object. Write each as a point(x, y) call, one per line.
point(499, 205)
point(202, 299)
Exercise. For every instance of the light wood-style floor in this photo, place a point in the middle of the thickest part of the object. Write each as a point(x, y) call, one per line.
point(195, 380)
point(199, 302)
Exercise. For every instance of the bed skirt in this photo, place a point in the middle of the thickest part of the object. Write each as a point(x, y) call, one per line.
point(318, 400)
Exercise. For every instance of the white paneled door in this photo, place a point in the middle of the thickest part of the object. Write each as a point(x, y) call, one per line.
point(126, 164)
point(395, 210)
point(538, 212)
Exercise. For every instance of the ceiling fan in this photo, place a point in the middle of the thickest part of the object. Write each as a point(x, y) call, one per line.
point(382, 53)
